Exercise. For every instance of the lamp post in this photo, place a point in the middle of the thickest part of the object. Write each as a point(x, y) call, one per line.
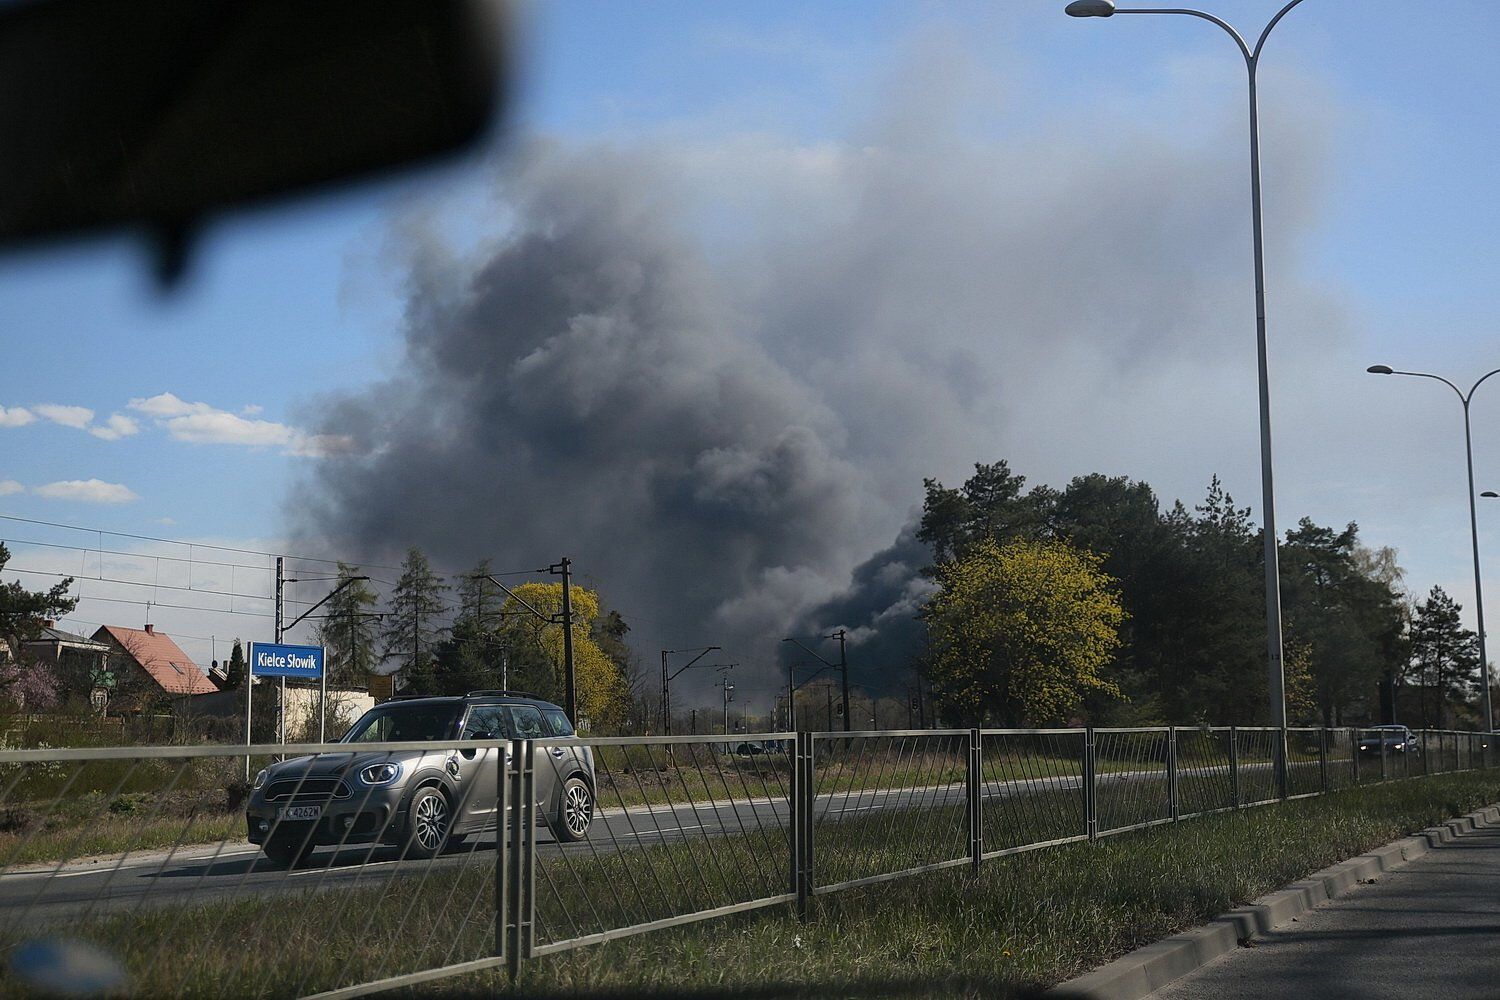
point(1465, 399)
point(1276, 675)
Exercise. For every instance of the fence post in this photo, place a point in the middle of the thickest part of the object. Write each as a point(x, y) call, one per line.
point(1323, 759)
point(1090, 789)
point(502, 839)
point(794, 826)
point(1172, 801)
point(1234, 767)
point(1354, 754)
point(808, 799)
point(1381, 737)
point(1279, 762)
point(519, 835)
point(1426, 767)
point(976, 800)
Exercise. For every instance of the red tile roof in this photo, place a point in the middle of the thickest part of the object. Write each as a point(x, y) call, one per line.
point(160, 657)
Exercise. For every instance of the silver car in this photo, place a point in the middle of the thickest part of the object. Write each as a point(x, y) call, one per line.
point(420, 800)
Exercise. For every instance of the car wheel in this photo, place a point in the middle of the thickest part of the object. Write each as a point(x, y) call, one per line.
point(428, 819)
point(287, 851)
point(575, 811)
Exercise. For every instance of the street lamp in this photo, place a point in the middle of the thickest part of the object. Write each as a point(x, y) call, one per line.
point(1465, 399)
point(1276, 676)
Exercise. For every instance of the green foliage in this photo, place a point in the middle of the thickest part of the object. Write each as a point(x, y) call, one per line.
point(348, 631)
point(234, 672)
point(411, 628)
point(1444, 662)
point(1192, 585)
point(1022, 631)
point(22, 613)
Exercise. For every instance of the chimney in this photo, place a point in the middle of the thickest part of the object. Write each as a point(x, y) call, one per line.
point(150, 629)
point(49, 623)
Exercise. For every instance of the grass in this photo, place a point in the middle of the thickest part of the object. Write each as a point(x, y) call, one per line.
point(1025, 921)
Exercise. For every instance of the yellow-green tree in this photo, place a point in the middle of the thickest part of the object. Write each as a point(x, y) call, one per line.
point(603, 693)
point(1021, 631)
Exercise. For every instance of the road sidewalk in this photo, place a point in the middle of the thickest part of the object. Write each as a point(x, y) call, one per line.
point(1429, 928)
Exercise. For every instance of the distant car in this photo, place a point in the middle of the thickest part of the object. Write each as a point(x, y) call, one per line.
point(1395, 739)
point(420, 800)
point(749, 750)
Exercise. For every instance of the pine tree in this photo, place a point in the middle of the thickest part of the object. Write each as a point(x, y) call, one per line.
point(349, 632)
point(234, 672)
point(1444, 658)
point(411, 628)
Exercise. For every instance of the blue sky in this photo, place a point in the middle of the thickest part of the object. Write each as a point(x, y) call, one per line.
point(284, 309)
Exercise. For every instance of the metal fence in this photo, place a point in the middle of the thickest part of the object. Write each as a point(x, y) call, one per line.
point(144, 852)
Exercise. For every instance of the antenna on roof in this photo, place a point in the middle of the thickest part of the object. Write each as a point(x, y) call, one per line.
point(148, 612)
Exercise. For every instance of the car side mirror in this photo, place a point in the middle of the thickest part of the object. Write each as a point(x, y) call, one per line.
point(160, 114)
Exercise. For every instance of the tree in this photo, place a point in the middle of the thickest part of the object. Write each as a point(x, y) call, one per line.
point(1444, 658)
point(1022, 630)
point(234, 672)
point(474, 656)
point(1350, 623)
point(22, 614)
point(603, 691)
point(989, 507)
point(410, 630)
point(348, 631)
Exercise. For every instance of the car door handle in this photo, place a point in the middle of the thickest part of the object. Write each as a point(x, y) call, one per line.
point(558, 752)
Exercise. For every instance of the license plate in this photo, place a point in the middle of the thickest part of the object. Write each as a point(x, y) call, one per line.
point(300, 812)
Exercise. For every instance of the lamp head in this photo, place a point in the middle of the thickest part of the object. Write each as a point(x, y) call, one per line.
point(1490, 493)
point(1091, 8)
point(1380, 370)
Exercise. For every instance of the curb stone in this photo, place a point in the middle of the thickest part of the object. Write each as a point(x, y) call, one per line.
point(1148, 969)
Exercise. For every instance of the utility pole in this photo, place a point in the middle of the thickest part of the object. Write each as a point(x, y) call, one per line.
point(844, 672)
point(842, 667)
point(565, 619)
point(828, 692)
point(694, 730)
point(571, 686)
point(666, 682)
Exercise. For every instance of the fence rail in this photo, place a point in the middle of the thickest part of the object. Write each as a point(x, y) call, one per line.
point(557, 844)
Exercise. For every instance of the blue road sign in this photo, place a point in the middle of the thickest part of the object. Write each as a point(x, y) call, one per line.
point(271, 659)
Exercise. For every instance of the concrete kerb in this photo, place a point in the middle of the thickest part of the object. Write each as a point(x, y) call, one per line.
point(1148, 969)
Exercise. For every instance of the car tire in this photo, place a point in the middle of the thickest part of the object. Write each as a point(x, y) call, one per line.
point(575, 811)
point(429, 819)
point(288, 852)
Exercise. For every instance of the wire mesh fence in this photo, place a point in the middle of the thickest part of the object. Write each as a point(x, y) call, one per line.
point(1205, 782)
point(635, 835)
point(346, 869)
point(185, 873)
point(1132, 786)
point(1032, 789)
point(887, 804)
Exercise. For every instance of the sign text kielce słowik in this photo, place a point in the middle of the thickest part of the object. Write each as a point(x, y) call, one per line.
point(269, 659)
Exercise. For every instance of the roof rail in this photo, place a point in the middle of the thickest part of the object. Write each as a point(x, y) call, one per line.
point(505, 694)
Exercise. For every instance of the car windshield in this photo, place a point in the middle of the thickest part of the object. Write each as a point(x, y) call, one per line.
point(398, 723)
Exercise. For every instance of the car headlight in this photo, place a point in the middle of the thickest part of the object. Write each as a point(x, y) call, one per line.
point(1400, 746)
point(260, 779)
point(380, 774)
point(1363, 747)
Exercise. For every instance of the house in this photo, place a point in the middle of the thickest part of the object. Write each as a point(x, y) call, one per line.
point(158, 665)
point(81, 664)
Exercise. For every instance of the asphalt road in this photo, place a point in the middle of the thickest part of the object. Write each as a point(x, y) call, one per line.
point(235, 870)
point(1429, 929)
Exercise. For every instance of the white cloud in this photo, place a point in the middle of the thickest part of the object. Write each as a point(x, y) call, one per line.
point(167, 405)
point(168, 521)
point(117, 426)
point(68, 416)
point(252, 410)
point(16, 416)
point(9, 486)
point(87, 491)
point(200, 423)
